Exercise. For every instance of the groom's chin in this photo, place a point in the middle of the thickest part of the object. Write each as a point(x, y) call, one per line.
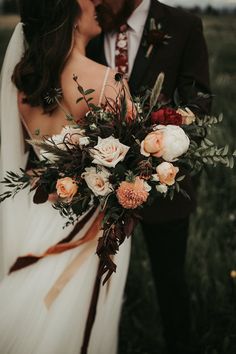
point(111, 21)
point(106, 18)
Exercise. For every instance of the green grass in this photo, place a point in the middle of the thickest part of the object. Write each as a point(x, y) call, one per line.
point(212, 243)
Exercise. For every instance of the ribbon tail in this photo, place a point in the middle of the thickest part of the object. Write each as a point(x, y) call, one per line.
point(23, 262)
point(91, 313)
point(62, 246)
point(68, 273)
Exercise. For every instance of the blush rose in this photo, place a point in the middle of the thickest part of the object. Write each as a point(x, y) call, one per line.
point(98, 180)
point(108, 152)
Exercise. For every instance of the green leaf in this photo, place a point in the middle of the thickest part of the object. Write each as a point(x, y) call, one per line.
point(177, 187)
point(88, 92)
point(94, 107)
point(208, 142)
point(222, 160)
point(171, 194)
point(220, 118)
point(80, 89)
point(179, 179)
point(231, 162)
point(79, 99)
point(226, 150)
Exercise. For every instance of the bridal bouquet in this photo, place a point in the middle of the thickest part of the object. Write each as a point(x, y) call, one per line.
point(121, 156)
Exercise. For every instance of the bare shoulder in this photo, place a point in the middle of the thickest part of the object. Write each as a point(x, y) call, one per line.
point(90, 75)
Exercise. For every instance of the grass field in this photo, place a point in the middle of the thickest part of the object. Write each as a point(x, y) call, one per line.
point(212, 243)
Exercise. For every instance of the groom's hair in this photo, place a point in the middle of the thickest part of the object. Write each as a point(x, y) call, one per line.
point(48, 29)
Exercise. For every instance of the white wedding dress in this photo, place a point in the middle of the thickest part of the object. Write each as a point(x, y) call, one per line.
point(27, 325)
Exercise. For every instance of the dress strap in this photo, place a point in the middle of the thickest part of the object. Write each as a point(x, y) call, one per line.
point(103, 86)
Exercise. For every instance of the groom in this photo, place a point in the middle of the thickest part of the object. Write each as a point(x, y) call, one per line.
point(177, 48)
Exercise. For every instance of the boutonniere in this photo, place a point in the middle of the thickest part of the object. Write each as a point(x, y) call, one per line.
point(154, 36)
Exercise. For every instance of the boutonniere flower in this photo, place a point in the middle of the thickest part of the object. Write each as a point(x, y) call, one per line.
point(154, 36)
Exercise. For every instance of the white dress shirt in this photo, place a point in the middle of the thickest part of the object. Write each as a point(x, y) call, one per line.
point(136, 24)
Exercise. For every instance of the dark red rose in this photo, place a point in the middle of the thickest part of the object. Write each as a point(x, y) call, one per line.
point(166, 116)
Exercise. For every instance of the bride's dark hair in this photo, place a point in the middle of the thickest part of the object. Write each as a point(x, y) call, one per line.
point(48, 28)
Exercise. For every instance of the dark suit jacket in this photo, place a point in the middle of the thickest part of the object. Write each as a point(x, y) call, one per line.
point(184, 60)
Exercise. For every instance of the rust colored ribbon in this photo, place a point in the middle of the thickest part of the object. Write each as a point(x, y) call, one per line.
point(61, 246)
point(91, 238)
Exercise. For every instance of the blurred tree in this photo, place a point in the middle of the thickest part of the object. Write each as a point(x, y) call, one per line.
point(196, 10)
point(211, 11)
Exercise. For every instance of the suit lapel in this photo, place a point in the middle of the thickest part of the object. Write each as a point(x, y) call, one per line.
point(141, 63)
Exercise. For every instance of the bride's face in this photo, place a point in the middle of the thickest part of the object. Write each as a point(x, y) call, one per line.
point(87, 23)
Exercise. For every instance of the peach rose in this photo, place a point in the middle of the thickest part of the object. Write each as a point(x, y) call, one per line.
point(66, 188)
point(132, 194)
point(152, 144)
point(166, 173)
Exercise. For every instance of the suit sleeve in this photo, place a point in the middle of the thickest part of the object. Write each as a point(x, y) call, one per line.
point(193, 86)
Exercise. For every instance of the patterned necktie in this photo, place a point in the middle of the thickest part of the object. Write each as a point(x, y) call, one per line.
point(121, 51)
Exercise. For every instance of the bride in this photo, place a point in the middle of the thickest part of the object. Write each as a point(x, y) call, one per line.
point(39, 315)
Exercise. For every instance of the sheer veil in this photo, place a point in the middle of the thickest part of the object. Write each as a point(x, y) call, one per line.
point(12, 155)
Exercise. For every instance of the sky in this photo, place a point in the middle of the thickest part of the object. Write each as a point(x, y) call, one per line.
point(202, 3)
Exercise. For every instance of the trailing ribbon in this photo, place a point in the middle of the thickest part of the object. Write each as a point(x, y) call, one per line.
point(61, 246)
point(91, 238)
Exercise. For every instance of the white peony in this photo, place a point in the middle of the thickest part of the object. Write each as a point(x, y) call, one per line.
point(98, 180)
point(175, 142)
point(108, 152)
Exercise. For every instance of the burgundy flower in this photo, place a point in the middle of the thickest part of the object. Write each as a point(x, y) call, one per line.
point(166, 116)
